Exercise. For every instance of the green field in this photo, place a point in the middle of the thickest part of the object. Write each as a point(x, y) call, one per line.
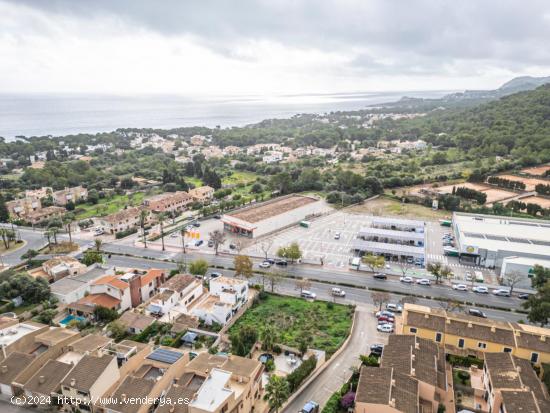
point(295, 317)
point(108, 206)
point(238, 177)
point(193, 180)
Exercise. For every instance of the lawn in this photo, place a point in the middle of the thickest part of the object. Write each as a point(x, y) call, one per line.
point(193, 180)
point(109, 205)
point(238, 177)
point(387, 206)
point(327, 323)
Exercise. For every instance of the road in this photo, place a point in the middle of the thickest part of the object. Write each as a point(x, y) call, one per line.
point(355, 296)
point(34, 240)
point(339, 371)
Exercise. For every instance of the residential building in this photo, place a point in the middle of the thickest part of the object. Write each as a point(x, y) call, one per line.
point(168, 202)
point(149, 380)
point(44, 214)
point(212, 152)
point(202, 193)
point(272, 157)
point(221, 384)
point(72, 288)
point(135, 322)
point(197, 140)
point(46, 382)
point(412, 378)
point(43, 192)
point(74, 195)
point(63, 266)
point(14, 335)
point(467, 335)
point(124, 220)
point(90, 379)
point(20, 208)
point(231, 150)
point(179, 292)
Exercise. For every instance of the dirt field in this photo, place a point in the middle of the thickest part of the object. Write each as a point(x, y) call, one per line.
point(279, 206)
point(530, 183)
point(536, 170)
point(386, 206)
point(493, 194)
point(543, 202)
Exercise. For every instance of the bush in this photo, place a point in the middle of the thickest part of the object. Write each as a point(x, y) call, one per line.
point(465, 361)
point(277, 349)
point(301, 373)
point(122, 234)
point(269, 365)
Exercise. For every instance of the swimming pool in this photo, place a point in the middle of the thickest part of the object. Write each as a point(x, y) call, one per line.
point(70, 318)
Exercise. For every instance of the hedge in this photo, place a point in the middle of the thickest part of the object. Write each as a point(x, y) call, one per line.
point(122, 234)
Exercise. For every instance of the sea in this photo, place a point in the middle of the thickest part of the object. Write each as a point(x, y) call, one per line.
point(66, 114)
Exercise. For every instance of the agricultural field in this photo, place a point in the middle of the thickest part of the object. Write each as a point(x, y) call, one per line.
point(327, 324)
point(388, 206)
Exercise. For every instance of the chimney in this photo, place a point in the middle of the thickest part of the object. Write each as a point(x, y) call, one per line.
point(4, 369)
point(41, 380)
point(392, 403)
point(493, 329)
point(426, 315)
point(543, 338)
point(123, 396)
point(470, 325)
point(73, 382)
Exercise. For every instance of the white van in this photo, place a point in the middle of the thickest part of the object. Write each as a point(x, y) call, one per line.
point(478, 276)
point(338, 292)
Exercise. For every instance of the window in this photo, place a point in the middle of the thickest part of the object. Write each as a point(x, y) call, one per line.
point(412, 330)
point(460, 343)
point(438, 337)
point(507, 349)
point(534, 357)
point(482, 345)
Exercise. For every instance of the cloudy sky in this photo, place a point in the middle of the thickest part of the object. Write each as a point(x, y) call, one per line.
point(209, 47)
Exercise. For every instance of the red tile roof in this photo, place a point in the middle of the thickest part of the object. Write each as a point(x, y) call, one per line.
point(103, 300)
point(151, 275)
point(113, 281)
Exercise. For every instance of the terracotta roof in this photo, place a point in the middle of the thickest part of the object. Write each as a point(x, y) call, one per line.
point(14, 364)
point(405, 393)
point(131, 387)
point(374, 385)
point(205, 362)
point(103, 300)
point(175, 394)
point(151, 275)
point(530, 379)
point(122, 215)
point(533, 341)
point(519, 402)
point(91, 342)
point(241, 366)
point(429, 321)
point(113, 281)
point(86, 372)
point(478, 331)
point(131, 319)
point(48, 378)
point(502, 371)
point(179, 282)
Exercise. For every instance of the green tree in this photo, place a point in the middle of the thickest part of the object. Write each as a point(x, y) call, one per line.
point(4, 214)
point(91, 257)
point(277, 391)
point(161, 217)
point(369, 361)
point(198, 267)
point(540, 277)
point(539, 305)
point(243, 266)
point(268, 336)
point(243, 339)
point(98, 243)
point(105, 315)
point(438, 271)
point(218, 238)
point(116, 330)
point(143, 215)
point(374, 262)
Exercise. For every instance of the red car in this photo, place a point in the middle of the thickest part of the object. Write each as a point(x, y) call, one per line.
point(385, 319)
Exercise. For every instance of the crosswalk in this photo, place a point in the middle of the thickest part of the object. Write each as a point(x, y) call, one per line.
point(444, 260)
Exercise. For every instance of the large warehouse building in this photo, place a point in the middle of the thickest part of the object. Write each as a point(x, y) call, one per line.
point(395, 238)
point(267, 217)
point(502, 242)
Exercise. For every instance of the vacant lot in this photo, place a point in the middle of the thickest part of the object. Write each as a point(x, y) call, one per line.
point(537, 170)
point(543, 202)
point(327, 324)
point(384, 206)
point(276, 207)
point(530, 183)
point(493, 194)
point(108, 206)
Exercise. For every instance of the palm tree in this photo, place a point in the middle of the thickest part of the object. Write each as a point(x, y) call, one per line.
point(183, 232)
point(161, 217)
point(277, 391)
point(48, 236)
point(98, 244)
point(268, 335)
point(142, 218)
point(68, 220)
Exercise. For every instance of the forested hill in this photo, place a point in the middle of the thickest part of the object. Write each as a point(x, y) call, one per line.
point(517, 124)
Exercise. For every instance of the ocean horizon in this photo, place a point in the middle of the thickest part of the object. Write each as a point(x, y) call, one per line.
point(66, 114)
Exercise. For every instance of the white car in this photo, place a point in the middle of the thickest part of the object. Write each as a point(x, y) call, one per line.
point(264, 264)
point(385, 313)
point(480, 289)
point(338, 292)
point(407, 280)
point(308, 295)
point(337, 235)
point(460, 287)
point(423, 281)
point(396, 308)
point(174, 235)
point(502, 292)
point(385, 328)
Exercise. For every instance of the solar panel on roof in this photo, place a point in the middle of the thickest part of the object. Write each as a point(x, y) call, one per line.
point(164, 356)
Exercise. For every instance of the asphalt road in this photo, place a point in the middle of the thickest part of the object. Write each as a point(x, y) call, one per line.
point(34, 240)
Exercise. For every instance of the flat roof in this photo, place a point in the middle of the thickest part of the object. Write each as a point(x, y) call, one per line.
point(391, 233)
point(398, 221)
point(396, 249)
point(15, 332)
point(271, 208)
point(213, 392)
point(494, 233)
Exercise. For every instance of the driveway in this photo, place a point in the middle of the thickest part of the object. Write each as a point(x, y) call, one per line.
point(339, 371)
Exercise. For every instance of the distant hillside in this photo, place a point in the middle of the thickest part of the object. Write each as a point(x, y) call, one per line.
point(469, 98)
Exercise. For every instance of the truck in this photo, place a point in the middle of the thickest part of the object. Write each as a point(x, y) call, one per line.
point(305, 224)
point(445, 222)
point(450, 251)
point(478, 276)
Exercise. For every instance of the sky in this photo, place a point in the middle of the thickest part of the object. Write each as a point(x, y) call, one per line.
point(269, 47)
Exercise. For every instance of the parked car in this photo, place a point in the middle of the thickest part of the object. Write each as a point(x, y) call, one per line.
point(337, 235)
point(502, 292)
point(380, 276)
point(217, 216)
point(270, 260)
point(384, 319)
point(199, 243)
point(377, 349)
point(310, 407)
point(524, 296)
point(308, 294)
point(264, 264)
point(210, 243)
point(396, 308)
point(407, 280)
point(460, 287)
point(281, 262)
point(338, 292)
point(214, 274)
point(423, 281)
point(476, 313)
point(469, 276)
point(385, 313)
point(410, 260)
point(174, 235)
point(232, 247)
point(480, 289)
point(385, 328)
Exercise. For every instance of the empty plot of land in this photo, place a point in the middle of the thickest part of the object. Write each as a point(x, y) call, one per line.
point(447, 189)
point(543, 202)
point(537, 170)
point(530, 183)
point(493, 194)
point(270, 209)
